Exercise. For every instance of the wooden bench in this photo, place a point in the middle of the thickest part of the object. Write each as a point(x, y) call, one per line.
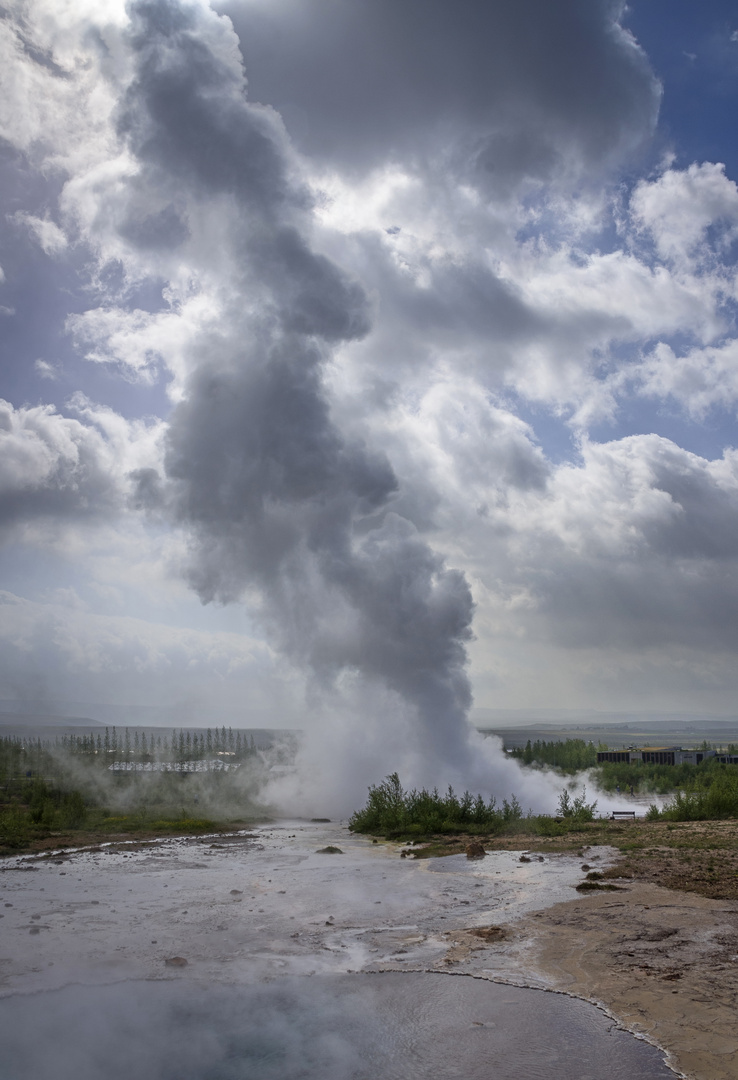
point(622, 815)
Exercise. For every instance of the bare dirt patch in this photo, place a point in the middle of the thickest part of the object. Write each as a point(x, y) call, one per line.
point(690, 856)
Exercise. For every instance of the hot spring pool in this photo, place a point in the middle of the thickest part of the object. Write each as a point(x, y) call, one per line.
point(389, 1026)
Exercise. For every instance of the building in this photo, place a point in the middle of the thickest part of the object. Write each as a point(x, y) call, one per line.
point(659, 755)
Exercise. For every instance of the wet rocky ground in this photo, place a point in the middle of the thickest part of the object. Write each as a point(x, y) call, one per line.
point(298, 899)
point(269, 900)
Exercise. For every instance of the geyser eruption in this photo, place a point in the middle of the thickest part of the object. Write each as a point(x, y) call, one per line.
point(276, 498)
point(281, 504)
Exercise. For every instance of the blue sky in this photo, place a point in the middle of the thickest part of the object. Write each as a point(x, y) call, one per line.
point(693, 51)
point(369, 361)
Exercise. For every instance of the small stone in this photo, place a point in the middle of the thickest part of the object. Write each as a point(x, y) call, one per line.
point(175, 961)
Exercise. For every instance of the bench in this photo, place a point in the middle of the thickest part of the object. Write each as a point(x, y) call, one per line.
point(622, 815)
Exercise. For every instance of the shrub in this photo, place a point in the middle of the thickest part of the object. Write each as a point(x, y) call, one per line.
point(719, 800)
point(392, 810)
point(13, 828)
point(577, 809)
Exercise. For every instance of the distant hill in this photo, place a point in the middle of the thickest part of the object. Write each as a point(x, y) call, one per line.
point(46, 720)
point(592, 718)
point(182, 715)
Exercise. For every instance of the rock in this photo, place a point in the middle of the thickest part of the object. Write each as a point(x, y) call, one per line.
point(525, 858)
point(330, 850)
point(489, 933)
point(236, 892)
point(475, 850)
point(175, 961)
point(591, 886)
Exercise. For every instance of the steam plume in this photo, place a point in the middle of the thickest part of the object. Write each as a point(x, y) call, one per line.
point(275, 497)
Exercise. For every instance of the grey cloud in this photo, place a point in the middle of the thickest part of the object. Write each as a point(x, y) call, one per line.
point(514, 83)
point(654, 557)
point(186, 111)
point(705, 524)
point(52, 467)
point(312, 294)
point(161, 229)
point(148, 492)
point(187, 120)
point(502, 158)
point(466, 300)
point(651, 604)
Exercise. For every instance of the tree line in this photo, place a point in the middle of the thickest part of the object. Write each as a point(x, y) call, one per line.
point(569, 755)
point(185, 745)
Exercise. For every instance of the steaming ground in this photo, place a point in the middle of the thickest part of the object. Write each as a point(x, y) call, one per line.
point(283, 947)
point(338, 760)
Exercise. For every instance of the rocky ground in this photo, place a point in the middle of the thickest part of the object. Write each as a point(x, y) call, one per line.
point(655, 942)
point(692, 856)
point(664, 963)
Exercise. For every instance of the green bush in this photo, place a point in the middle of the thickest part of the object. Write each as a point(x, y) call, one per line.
point(577, 809)
point(14, 831)
point(72, 811)
point(392, 810)
point(718, 800)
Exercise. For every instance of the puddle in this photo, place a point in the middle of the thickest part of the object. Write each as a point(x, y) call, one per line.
point(340, 1027)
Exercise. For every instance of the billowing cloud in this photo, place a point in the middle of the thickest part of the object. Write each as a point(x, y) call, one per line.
point(699, 380)
point(501, 93)
point(54, 467)
point(680, 207)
